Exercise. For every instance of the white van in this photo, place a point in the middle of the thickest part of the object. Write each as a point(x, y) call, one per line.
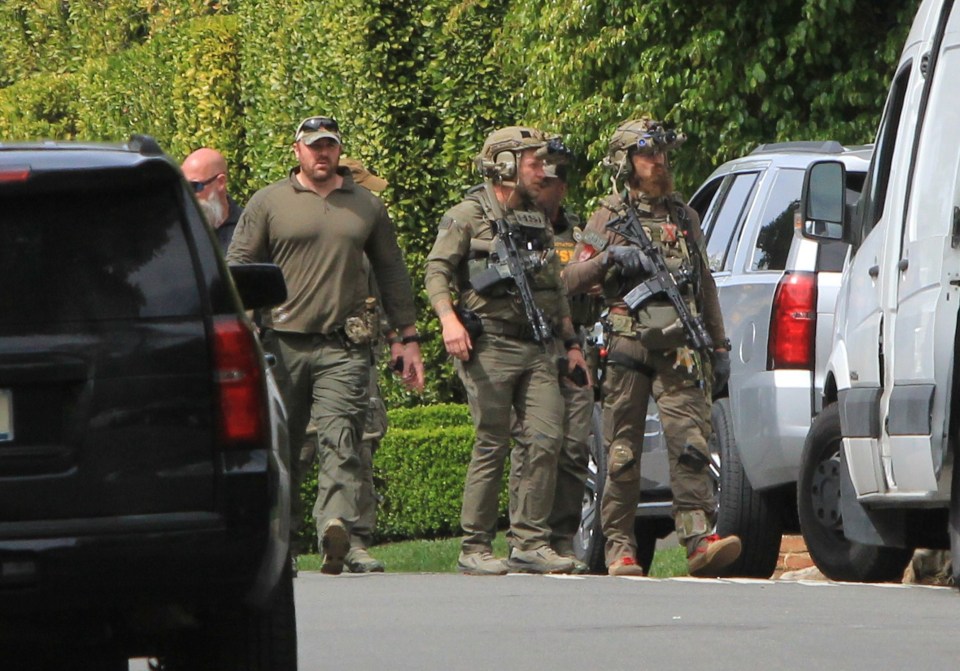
point(877, 467)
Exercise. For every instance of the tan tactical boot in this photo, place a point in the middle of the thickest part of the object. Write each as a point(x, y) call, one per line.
point(334, 543)
point(358, 560)
point(480, 563)
point(565, 550)
point(541, 560)
point(713, 554)
point(625, 566)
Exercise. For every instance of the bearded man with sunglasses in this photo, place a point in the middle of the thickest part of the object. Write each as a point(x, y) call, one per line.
point(317, 225)
point(206, 171)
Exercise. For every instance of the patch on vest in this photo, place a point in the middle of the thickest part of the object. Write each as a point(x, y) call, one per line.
point(530, 219)
point(564, 249)
point(594, 239)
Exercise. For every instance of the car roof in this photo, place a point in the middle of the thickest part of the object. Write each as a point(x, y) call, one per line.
point(798, 155)
point(51, 156)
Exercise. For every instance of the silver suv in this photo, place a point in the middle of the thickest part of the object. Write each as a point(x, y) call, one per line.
point(777, 293)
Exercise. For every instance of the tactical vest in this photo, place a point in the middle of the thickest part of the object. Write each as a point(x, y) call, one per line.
point(533, 239)
point(670, 237)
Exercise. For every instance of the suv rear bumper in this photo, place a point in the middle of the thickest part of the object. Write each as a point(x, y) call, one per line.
point(147, 560)
point(770, 448)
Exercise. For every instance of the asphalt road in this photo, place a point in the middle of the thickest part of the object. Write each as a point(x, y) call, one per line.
point(452, 622)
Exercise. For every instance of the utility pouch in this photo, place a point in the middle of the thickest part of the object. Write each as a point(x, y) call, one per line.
point(621, 324)
point(361, 328)
point(660, 327)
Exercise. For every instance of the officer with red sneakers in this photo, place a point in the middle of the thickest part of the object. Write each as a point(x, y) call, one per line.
point(648, 351)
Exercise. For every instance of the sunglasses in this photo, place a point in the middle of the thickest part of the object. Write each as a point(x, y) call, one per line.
point(200, 186)
point(315, 123)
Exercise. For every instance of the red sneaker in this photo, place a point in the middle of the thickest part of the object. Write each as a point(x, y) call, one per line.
point(625, 566)
point(712, 555)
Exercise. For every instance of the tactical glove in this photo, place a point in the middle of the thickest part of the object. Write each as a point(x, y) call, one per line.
point(721, 369)
point(631, 259)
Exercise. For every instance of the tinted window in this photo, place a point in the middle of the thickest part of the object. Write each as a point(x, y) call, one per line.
point(875, 189)
point(111, 253)
point(725, 226)
point(776, 222)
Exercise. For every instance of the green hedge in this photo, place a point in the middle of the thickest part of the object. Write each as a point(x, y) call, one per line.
point(417, 84)
point(419, 472)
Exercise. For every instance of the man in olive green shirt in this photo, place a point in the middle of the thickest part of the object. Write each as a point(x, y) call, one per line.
point(503, 368)
point(317, 225)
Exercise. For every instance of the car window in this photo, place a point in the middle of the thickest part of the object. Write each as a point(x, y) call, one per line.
point(875, 190)
point(725, 226)
point(776, 223)
point(703, 200)
point(94, 254)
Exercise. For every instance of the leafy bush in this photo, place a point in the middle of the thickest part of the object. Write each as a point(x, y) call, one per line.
point(419, 472)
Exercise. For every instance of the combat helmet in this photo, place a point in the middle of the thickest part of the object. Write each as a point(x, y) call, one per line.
point(642, 135)
point(497, 159)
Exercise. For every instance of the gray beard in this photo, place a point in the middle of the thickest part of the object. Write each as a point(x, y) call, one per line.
point(213, 211)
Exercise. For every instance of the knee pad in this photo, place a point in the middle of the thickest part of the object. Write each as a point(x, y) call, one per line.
point(623, 466)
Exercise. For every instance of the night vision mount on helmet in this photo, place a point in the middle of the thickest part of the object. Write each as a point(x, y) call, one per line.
point(643, 135)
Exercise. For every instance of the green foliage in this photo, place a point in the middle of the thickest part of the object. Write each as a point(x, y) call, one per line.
point(417, 84)
point(419, 472)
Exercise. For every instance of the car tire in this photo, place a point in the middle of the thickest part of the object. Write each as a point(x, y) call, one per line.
point(589, 541)
point(756, 518)
point(954, 526)
point(818, 503)
point(243, 638)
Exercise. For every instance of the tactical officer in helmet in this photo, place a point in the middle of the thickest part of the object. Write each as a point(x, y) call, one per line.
point(578, 395)
point(501, 364)
point(647, 352)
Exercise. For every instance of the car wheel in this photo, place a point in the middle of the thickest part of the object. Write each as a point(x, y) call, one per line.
point(589, 541)
point(243, 638)
point(821, 522)
point(954, 526)
point(754, 517)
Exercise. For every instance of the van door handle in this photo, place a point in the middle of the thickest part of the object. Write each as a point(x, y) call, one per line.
point(874, 272)
point(902, 264)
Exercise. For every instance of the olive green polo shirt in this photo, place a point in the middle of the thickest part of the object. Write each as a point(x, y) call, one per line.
point(319, 243)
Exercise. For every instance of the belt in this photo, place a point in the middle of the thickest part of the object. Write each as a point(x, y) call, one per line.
point(626, 361)
point(508, 329)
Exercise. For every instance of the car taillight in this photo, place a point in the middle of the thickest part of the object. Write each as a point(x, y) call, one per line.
point(239, 381)
point(793, 322)
point(15, 174)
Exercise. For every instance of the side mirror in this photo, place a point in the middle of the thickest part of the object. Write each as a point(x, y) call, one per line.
point(260, 285)
point(822, 205)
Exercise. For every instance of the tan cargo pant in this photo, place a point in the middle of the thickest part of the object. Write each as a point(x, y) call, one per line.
point(572, 463)
point(673, 376)
point(504, 375)
point(374, 428)
point(325, 382)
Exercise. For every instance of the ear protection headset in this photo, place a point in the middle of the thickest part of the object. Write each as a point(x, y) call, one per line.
point(498, 158)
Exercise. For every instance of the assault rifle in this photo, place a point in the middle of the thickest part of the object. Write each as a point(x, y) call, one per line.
point(511, 264)
point(661, 281)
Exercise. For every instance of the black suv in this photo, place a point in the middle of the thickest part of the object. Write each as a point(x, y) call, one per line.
point(144, 491)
